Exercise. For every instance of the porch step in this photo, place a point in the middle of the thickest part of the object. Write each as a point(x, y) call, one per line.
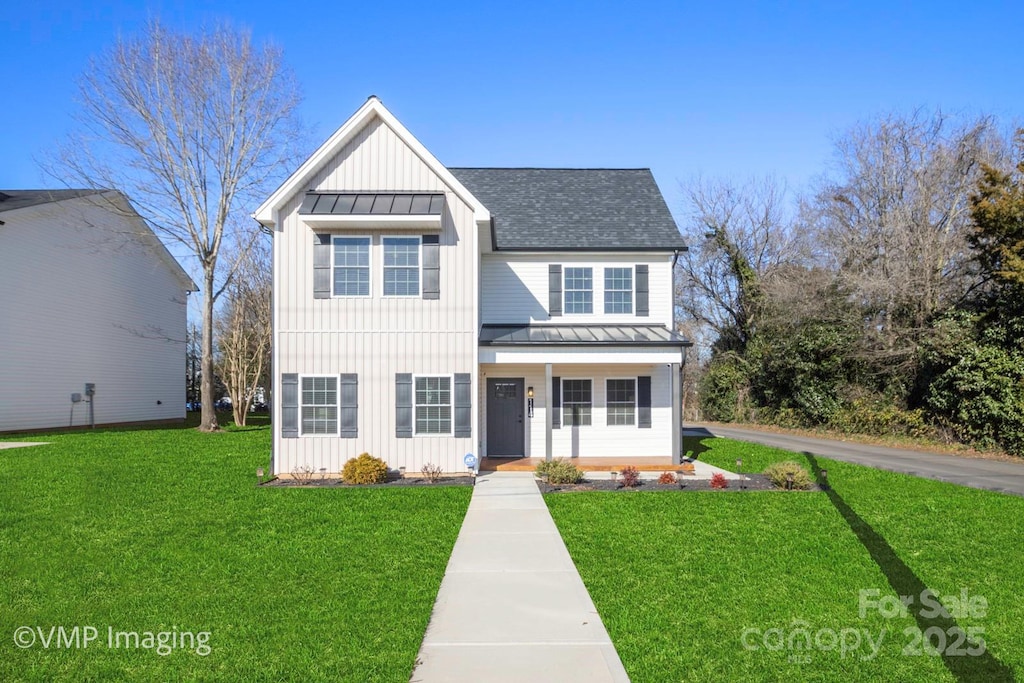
point(642, 464)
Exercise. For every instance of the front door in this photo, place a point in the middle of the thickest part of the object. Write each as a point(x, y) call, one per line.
point(505, 407)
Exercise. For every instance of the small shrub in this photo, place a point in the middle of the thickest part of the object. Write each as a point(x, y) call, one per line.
point(779, 472)
point(718, 481)
point(365, 469)
point(302, 473)
point(630, 476)
point(431, 472)
point(559, 471)
point(667, 478)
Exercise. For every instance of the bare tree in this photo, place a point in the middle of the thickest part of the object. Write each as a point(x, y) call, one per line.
point(193, 128)
point(894, 223)
point(243, 330)
point(738, 236)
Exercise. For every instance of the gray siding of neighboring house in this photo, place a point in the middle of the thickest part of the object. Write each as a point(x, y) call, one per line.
point(88, 296)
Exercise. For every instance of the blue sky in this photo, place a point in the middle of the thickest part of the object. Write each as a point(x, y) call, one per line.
point(721, 89)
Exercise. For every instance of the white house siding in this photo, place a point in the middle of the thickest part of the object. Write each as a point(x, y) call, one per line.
point(85, 299)
point(599, 439)
point(375, 337)
point(514, 288)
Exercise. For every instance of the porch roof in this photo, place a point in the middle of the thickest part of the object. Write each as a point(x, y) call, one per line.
point(580, 335)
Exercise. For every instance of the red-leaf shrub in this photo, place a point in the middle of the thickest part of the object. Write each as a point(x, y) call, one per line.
point(718, 481)
point(630, 476)
point(667, 478)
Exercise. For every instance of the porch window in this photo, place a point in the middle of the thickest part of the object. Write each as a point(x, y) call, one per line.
point(621, 400)
point(577, 402)
point(351, 266)
point(433, 405)
point(319, 405)
point(579, 290)
point(401, 266)
point(618, 290)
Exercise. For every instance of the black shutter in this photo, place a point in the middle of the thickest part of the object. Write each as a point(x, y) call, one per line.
point(349, 406)
point(403, 405)
point(554, 290)
point(556, 402)
point(463, 405)
point(643, 402)
point(642, 289)
point(322, 266)
point(289, 405)
point(431, 266)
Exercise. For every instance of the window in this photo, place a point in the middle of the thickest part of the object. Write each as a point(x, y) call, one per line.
point(618, 290)
point(401, 266)
point(579, 290)
point(351, 266)
point(433, 405)
point(621, 401)
point(319, 405)
point(577, 402)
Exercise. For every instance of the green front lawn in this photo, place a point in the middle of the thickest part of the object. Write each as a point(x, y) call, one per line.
point(679, 578)
point(164, 530)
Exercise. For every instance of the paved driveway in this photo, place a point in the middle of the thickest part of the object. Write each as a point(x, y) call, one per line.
point(994, 475)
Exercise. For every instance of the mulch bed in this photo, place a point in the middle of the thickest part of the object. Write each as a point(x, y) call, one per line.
point(336, 482)
point(751, 482)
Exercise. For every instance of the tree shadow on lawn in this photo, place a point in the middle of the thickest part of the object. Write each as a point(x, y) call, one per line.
point(981, 667)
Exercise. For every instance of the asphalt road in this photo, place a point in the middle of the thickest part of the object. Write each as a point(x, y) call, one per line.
point(993, 475)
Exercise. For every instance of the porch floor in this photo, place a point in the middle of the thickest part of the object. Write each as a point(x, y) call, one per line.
point(643, 464)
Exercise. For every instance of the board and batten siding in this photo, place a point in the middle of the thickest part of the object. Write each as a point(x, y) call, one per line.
point(514, 288)
point(599, 440)
point(375, 337)
point(87, 300)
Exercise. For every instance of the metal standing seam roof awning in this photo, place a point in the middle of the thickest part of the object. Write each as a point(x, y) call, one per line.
point(580, 335)
point(372, 203)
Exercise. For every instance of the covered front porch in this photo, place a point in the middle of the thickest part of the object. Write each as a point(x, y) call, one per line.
point(601, 393)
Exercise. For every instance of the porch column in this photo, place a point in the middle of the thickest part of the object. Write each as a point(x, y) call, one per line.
point(548, 402)
point(677, 416)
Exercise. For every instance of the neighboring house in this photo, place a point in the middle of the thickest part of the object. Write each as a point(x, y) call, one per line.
point(90, 297)
point(416, 307)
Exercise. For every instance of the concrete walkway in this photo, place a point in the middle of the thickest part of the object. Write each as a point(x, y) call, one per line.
point(21, 444)
point(512, 606)
point(993, 475)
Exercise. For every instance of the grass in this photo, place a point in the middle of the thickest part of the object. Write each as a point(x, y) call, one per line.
point(164, 529)
point(677, 577)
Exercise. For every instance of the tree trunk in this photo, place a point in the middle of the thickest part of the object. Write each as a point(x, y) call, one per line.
point(208, 417)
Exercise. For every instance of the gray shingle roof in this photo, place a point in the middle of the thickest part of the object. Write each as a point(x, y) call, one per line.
point(574, 208)
point(19, 199)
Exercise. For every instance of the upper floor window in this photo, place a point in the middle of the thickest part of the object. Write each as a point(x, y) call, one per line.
point(618, 290)
point(401, 266)
point(579, 290)
point(351, 266)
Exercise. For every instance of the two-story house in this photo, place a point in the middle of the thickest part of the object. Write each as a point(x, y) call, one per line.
point(423, 313)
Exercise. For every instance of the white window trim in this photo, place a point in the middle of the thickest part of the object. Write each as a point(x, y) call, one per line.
point(632, 292)
point(419, 270)
point(369, 268)
point(636, 401)
point(451, 396)
point(337, 406)
point(593, 399)
point(565, 290)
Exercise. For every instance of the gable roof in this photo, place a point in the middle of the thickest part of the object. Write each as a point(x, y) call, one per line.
point(266, 214)
point(595, 209)
point(117, 203)
point(20, 199)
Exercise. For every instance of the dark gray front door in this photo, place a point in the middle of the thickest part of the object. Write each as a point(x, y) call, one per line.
point(505, 407)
